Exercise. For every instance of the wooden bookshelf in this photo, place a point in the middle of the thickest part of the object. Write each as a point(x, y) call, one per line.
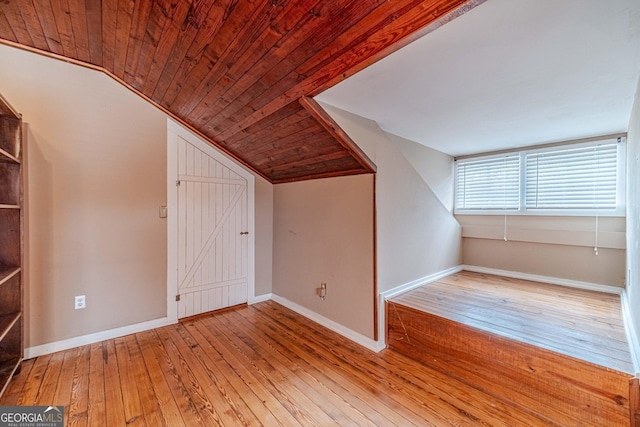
point(8, 273)
point(11, 253)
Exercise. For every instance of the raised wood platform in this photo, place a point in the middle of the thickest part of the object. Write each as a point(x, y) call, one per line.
point(558, 353)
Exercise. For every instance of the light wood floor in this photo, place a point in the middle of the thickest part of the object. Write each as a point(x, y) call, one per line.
point(584, 324)
point(257, 365)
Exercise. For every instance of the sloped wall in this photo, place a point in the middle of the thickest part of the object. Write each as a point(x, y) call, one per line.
point(417, 236)
point(435, 168)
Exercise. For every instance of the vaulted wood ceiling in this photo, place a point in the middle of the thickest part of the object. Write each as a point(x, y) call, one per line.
point(241, 73)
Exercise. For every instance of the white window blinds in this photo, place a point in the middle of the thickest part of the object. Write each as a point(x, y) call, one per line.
point(578, 178)
point(488, 184)
point(585, 178)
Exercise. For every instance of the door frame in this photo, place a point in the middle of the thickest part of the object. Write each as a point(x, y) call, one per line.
point(175, 130)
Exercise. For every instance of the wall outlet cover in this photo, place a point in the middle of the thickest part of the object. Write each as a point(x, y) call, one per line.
point(80, 302)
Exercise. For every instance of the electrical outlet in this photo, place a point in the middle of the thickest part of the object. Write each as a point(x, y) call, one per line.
point(81, 302)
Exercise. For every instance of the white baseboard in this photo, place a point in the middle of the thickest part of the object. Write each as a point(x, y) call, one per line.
point(390, 293)
point(354, 336)
point(632, 335)
point(546, 279)
point(67, 344)
point(259, 298)
point(41, 350)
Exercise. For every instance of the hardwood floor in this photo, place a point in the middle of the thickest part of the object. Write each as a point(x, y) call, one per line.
point(580, 323)
point(256, 365)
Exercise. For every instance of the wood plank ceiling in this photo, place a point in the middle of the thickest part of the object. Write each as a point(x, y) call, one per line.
point(241, 73)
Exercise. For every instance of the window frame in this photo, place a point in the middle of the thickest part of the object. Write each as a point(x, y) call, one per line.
point(619, 211)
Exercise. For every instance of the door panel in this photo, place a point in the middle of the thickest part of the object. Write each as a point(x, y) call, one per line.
point(212, 220)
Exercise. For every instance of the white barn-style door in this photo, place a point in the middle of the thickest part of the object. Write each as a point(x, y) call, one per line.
point(212, 229)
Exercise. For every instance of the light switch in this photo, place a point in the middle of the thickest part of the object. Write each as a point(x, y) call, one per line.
point(163, 211)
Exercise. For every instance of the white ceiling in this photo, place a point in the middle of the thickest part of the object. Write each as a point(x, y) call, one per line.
point(509, 73)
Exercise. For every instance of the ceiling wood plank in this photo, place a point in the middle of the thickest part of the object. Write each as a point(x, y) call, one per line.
point(257, 89)
point(17, 22)
point(34, 27)
point(258, 152)
point(337, 132)
point(239, 24)
point(267, 48)
point(174, 15)
point(149, 44)
point(196, 18)
point(280, 129)
point(49, 26)
point(79, 30)
point(328, 169)
point(302, 153)
point(263, 155)
point(202, 52)
point(123, 35)
point(391, 29)
point(94, 31)
point(327, 163)
point(282, 79)
point(302, 161)
point(6, 31)
point(259, 130)
point(283, 129)
point(65, 30)
point(139, 25)
point(109, 24)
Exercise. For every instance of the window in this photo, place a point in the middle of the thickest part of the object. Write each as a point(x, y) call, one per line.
point(576, 179)
point(488, 183)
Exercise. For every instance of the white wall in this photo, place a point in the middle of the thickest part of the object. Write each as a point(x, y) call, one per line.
point(324, 232)
point(633, 216)
point(561, 247)
point(435, 168)
point(417, 236)
point(96, 161)
point(264, 236)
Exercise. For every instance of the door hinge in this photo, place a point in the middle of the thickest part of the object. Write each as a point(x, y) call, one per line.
point(178, 297)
